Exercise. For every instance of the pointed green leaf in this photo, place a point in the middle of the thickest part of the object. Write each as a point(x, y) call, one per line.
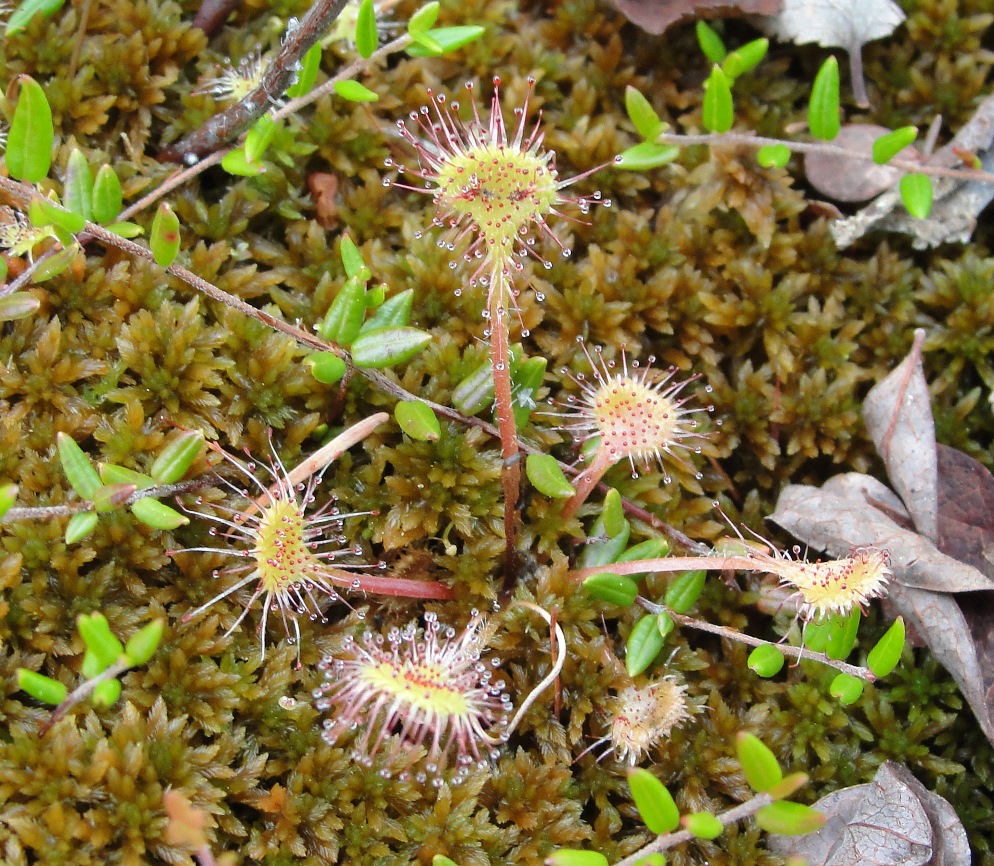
point(574, 857)
point(653, 548)
point(846, 689)
point(424, 19)
point(384, 347)
point(164, 237)
point(353, 91)
point(18, 305)
point(613, 588)
point(442, 860)
point(644, 644)
point(32, 134)
point(79, 470)
point(890, 145)
point(602, 548)
point(642, 114)
point(823, 110)
point(110, 496)
point(144, 642)
point(366, 38)
point(40, 687)
point(655, 805)
point(664, 624)
point(310, 63)
point(55, 265)
point(759, 764)
point(125, 229)
point(842, 634)
point(447, 38)
point(717, 115)
point(259, 137)
point(476, 392)
point(917, 193)
point(343, 321)
point(703, 825)
point(647, 155)
point(773, 155)
point(80, 525)
point(157, 514)
point(710, 42)
point(44, 212)
point(108, 197)
point(326, 367)
point(683, 593)
point(236, 162)
point(883, 658)
point(789, 785)
point(417, 419)
point(816, 635)
point(111, 474)
point(745, 58)
point(27, 9)
point(178, 456)
point(99, 639)
point(106, 693)
point(395, 310)
point(766, 660)
point(546, 477)
point(526, 378)
point(352, 259)
point(77, 192)
point(8, 496)
point(789, 819)
point(613, 514)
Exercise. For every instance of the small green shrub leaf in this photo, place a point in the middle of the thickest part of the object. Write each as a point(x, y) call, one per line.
point(310, 64)
point(883, 658)
point(890, 145)
point(664, 624)
point(164, 237)
point(745, 58)
point(842, 632)
point(178, 456)
point(683, 593)
point(80, 525)
point(717, 114)
point(773, 155)
point(917, 193)
point(655, 805)
point(258, 138)
point(110, 496)
point(652, 548)
point(40, 687)
point(394, 311)
point(602, 548)
point(446, 38)
point(647, 155)
point(107, 693)
point(326, 367)
point(789, 819)
point(353, 91)
point(112, 474)
point(613, 588)
point(476, 392)
point(575, 857)
point(126, 229)
point(546, 477)
point(710, 42)
point(355, 265)
point(789, 785)
point(32, 134)
point(144, 642)
point(27, 9)
point(79, 470)
point(99, 639)
point(823, 110)
point(759, 764)
point(8, 496)
point(236, 162)
point(613, 514)
point(526, 378)
point(55, 265)
point(642, 114)
point(384, 347)
point(18, 305)
point(366, 38)
point(766, 660)
point(442, 860)
point(108, 197)
point(846, 689)
point(157, 514)
point(44, 212)
point(418, 420)
point(77, 192)
point(703, 825)
point(343, 321)
point(816, 635)
point(644, 644)
point(424, 19)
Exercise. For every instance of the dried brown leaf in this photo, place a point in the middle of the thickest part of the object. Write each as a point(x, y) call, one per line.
point(655, 16)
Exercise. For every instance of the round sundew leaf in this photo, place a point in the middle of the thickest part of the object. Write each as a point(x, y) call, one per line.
point(789, 819)
point(8, 496)
point(164, 238)
point(80, 525)
point(846, 688)
point(647, 155)
point(326, 367)
point(883, 658)
point(574, 857)
point(759, 764)
point(773, 155)
point(717, 114)
point(40, 687)
point(823, 109)
point(642, 114)
point(18, 305)
point(917, 193)
point(447, 38)
point(710, 42)
point(384, 347)
point(108, 196)
point(157, 514)
point(366, 37)
point(546, 477)
point(703, 825)
point(614, 588)
point(144, 642)
point(766, 660)
point(107, 693)
point(842, 633)
point(644, 644)
point(654, 802)
point(418, 420)
point(353, 91)
point(891, 144)
point(32, 134)
point(683, 593)
point(177, 457)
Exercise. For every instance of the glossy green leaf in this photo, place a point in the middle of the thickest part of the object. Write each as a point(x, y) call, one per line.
point(642, 114)
point(395, 310)
point(789, 819)
point(890, 145)
point(18, 305)
point(442, 860)
point(310, 64)
point(664, 624)
point(823, 109)
point(643, 645)
point(613, 513)
point(773, 155)
point(546, 477)
point(366, 38)
point(476, 392)
point(8, 496)
point(613, 588)
point(106, 693)
point(79, 470)
point(602, 548)
point(353, 91)
point(745, 58)
point(703, 825)
point(111, 474)
point(816, 635)
point(326, 367)
point(384, 347)
point(842, 634)
point(32, 134)
point(647, 155)
point(77, 192)
point(653, 859)
point(717, 114)
point(683, 593)
point(526, 379)
point(40, 687)
point(846, 689)
point(157, 514)
point(883, 658)
point(108, 197)
point(426, 41)
point(418, 420)
point(917, 193)
point(144, 642)
point(766, 660)
point(125, 229)
point(80, 525)
point(424, 19)
point(654, 802)
point(710, 42)
point(110, 496)
point(177, 456)
point(259, 137)
point(759, 764)
point(236, 162)
point(99, 639)
point(56, 264)
point(788, 786)
point(575, 857)
point(164, 237)
point(447, 38)
point(27, 9)
point(45, 212)
point(352, 260)
point(653, 548)
point(343, 321)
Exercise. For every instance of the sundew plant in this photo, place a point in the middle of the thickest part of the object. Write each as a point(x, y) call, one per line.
point(393, 399)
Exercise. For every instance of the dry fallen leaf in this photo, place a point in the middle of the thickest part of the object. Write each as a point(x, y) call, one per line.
point(892, 821)
point(847, 24)
point(655, 16)
point(324, 188)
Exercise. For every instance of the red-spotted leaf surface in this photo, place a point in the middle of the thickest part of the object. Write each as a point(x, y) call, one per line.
point(654, 16)
point(892, 821)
